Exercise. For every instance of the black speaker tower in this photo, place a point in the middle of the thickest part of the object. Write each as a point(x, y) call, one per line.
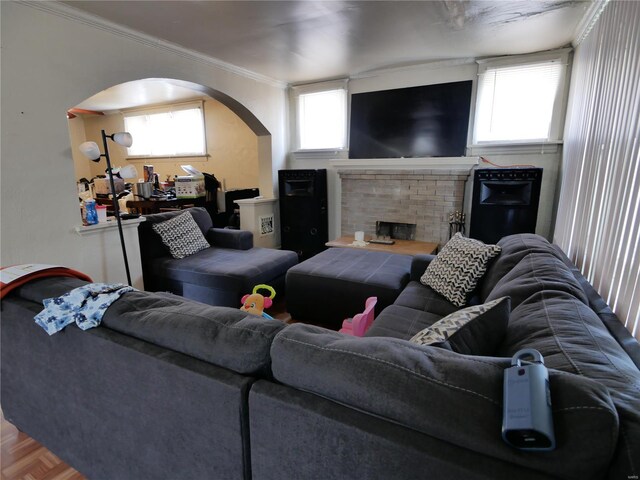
point(304, 224)
point(505, 201)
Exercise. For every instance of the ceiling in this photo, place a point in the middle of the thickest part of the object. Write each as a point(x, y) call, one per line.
point(150, 91)
point(304, 41)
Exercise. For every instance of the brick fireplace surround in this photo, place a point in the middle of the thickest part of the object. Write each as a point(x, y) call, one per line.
point(424, 197)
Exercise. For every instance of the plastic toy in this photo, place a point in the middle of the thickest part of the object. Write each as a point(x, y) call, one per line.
point(360, 323)
point(256, 303)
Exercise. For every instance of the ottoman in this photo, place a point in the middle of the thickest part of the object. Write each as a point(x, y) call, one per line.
point(334, 284)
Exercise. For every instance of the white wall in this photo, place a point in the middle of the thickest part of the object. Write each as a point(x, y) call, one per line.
point(51, 63)
point(409, 77)
point(439, 72)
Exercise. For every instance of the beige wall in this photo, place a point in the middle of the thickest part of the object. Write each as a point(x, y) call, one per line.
point(232, 148)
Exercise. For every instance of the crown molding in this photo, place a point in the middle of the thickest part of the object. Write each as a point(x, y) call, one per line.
point(437, 64)
point(75, 15)
point(589, 19)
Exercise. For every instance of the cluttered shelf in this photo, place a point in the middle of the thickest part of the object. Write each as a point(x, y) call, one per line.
point(149, 196)
point(154, 205)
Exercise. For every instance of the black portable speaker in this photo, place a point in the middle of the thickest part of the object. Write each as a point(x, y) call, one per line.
point(527, 423)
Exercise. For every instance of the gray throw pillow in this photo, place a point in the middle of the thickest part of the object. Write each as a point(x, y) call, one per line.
point(182, 235)
point(475, 330)
point(455, 271)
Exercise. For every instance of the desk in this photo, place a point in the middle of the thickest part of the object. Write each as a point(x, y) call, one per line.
point(148, 207)
point(404, 247)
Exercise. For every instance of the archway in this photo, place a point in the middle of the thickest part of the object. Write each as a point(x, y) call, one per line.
point(239, 146)
point(236, 107)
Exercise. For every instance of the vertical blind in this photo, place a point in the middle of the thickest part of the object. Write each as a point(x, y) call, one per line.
point(598, 221)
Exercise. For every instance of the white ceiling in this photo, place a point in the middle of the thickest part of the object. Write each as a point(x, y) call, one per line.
point(151, 91)
point(304, 41)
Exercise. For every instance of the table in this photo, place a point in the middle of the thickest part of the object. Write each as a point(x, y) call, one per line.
point(147, 207)
point(405, 247)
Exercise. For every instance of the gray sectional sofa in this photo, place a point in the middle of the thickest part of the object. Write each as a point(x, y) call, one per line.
point(171, 388)
point(219, 275)
point(158, 391)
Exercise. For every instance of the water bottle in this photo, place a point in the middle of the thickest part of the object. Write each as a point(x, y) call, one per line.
point(91, 211)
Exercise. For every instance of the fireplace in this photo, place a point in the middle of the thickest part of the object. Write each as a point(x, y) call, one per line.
point(401, 231)
point(424, 197)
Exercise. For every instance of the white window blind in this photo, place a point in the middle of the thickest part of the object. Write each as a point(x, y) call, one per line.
point(321, 117)
point(517, 103)
point(598, 221)
point(167, 132)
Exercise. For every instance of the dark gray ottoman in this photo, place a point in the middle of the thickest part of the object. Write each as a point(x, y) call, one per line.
point(334, 284)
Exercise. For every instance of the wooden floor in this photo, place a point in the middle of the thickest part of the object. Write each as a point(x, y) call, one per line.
point(22, 458)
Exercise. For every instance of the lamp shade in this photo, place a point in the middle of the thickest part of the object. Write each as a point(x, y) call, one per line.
point(128, 171)
point(123, 138)
point(90, 150)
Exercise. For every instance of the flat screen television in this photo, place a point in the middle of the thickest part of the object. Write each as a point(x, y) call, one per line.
point(424, 121)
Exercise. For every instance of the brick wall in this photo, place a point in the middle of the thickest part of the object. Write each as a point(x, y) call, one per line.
point(423, 197)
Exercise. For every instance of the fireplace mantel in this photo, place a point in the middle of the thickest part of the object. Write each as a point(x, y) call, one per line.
point(428, 163)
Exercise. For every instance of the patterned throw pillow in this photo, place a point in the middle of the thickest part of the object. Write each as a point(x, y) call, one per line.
point(182, 235)
point(476, 330)
point(456, 270)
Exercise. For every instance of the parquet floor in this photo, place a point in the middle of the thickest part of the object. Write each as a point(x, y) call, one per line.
point(22, 458)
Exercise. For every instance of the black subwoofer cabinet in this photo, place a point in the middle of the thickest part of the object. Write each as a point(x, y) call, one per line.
point(505, 201)
point(304, 223)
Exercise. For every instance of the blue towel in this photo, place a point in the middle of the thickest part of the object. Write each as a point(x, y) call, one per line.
point(84, 305)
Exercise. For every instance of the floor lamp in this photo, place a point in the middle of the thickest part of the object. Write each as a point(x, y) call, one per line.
point(92, 152)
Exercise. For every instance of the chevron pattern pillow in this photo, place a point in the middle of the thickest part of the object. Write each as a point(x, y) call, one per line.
point(455, 271)
point(182, 235)
point(475, 330)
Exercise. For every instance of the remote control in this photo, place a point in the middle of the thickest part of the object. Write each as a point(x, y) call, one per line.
point(382, 241)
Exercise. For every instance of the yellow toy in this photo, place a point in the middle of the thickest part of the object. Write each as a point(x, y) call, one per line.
point(256, 303)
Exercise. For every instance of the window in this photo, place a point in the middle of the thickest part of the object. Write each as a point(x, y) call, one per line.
point(177, 130)
point(520, 102)
point(321, 116)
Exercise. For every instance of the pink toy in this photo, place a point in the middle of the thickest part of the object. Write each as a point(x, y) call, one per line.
point(360, 323)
